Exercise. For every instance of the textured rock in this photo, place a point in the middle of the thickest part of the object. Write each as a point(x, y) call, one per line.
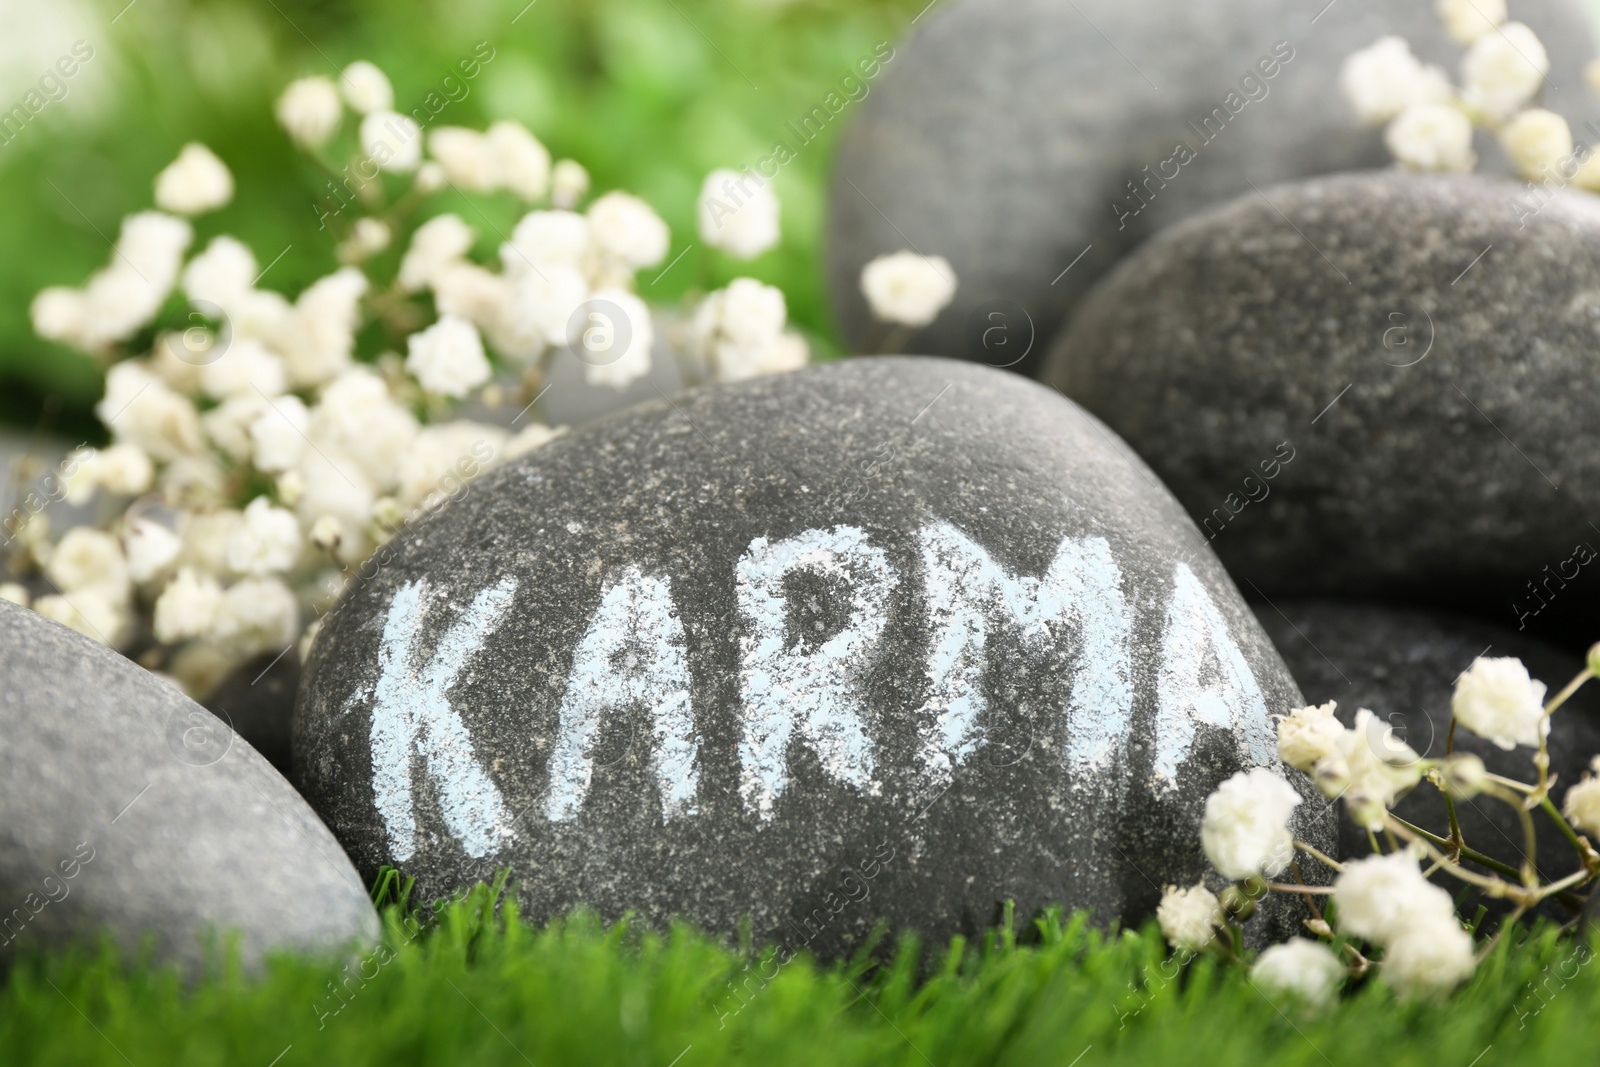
point(127, 808)
point(876, 639)
point(1403, 665)
point(256, 701)
point(1445, 447)
point(1004, 134)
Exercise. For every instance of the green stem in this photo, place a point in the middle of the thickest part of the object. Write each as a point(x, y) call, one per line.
point(1328, 861)
point(1466, 853)
point(1586, 855)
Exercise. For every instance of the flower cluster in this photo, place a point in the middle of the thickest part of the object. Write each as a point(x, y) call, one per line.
point(264, 447)
point(1430, 121)
point(1387, 901)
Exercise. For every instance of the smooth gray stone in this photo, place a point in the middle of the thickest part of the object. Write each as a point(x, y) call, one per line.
point(128, 809)
point(1445, 449)
point(1003, 134)
point(257, 702)
point(585, 668)
point(1403, 665)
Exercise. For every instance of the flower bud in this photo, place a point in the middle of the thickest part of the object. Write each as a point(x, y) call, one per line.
point(1465, 776)
point(1237, 903)
point(1594, 660)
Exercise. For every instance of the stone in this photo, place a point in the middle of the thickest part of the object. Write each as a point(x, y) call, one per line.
point(1033, 143)
point(256, 701)
point(128, 809)
point(1367, 388)
point(1403, 664)
point(893, 639)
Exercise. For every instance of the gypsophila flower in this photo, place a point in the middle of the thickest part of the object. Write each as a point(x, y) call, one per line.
point(1189, 918)
point(1467, 20)
point(1428, 957)
point(221, 275)
point(522, 162)
point(326, 533)
point(195, 183)
point(367, 238)
point(447, 358)
point(278, 434)
point(1381, 897)
point(614, 340)
point(628, 231)
point(1464, 776)
point(1370, 767)
point(392, 141)
point(141, 409)
point(124, 469)
point(439, 242)
point(91, 612)
point(443, 458)
point(1503, 70)
point(1384, 79)
point(734, 327)
point(1495, 699)
point(309, 110)
point(15, 593)
point(1245, 830)
point(150, 549)
point(88, 559)
point(907, 288)
point(1536, 141)
point(469, 162)
point(257, 615)
point(1302, 970)
point(60, 314)
point(1431, 137)
point(544, 239)
point(317, 337)
point(738, 213)
point(366, 88)
point(1308, 734)
point(267, 541)
point(569, 183)
point(1582, 805)
point(246, 367)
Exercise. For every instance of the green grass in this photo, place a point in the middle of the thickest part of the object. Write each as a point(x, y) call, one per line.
point(480, 986)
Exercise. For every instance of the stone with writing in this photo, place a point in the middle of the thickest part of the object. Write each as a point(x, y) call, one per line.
point(128, 810)
point(897, 639)
point(1406, 354)
point(1034, 143)
point(1402, 664)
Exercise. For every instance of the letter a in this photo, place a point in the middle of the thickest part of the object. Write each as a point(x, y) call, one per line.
point(633, 653)
point(1185, 699)
point(411, 715)
point(816, 694)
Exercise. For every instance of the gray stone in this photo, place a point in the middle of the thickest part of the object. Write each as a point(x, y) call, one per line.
point(128, 809)
point(256, 701)
point(1004, 134)
point(876, 639)
point(1411, 354)
point(1403, 665)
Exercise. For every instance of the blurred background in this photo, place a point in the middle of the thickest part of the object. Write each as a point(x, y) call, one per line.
point(650, 95)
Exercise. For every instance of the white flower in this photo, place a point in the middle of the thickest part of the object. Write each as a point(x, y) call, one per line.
point(1503, 70)
point(738, 213)
point(87, 558)
point(540, 306)
point(278, 434)
point(1536, 140)
point(1382, 897)
point(140, 409)
point(442, 458)
point(124, 469)
point(309, 110)
point(447, 358)
point(222, 274)
point(522, 161)
point(356, 418)
point(81, 476)
point(319, 333)
point(151, 548)
point(1384, 79)
point(441, 241)
point(257, 615)
point(469, 161)
point(1582, 806)
point(367, 238)
point(544, 239)
point(228, 424)
point(391, 140)
point(468, 291)
point(1245, 830)
point(907, 288)
point(206, 535)
point(627, 230)
point(1303, 970)
point(1428, 957)
point(735, 329)
point(569, 182)
point(123, 297)
point(266, 542)
point(326, 533)
point(1309, 734)
point(246, 367)
point(1370, 767)
point(534, 435)
point(336, 484)
point(1189, 918)
point(613, 338)
point(15, 593)
point(1431, 137)
point(91, 612)
point(431, 178)
point(1467, 20)
point(366, 88)
point(196, 182)
point(1496, 700)
point(60, 314)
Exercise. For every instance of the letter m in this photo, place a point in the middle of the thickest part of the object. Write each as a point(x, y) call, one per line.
point(412, 717)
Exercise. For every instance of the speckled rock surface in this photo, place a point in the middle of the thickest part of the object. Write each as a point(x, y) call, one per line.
point(893, 639)
point(1403, 665)
point(1004, 135)
point(126, 807)
point(1426, 365)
